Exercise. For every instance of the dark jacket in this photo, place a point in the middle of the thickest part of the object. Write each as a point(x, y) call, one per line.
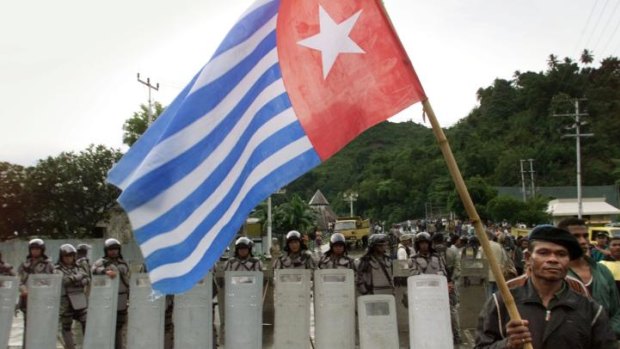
point(571, 321)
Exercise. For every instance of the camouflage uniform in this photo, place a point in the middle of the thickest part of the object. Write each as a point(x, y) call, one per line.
point(73, 302)
point(122, 270)
point(300, 260)
point(374, 275)
point(329, 261)
point(246, 264)
point(5, 268)
point(40, 265)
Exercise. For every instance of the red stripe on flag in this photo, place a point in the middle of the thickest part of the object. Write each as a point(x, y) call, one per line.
point(361, 89)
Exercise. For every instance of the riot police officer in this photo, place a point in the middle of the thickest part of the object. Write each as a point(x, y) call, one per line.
point(374, 273)
point(336, 257)
point(243, 259)
point(36, 262)
point(82, 258)
point(296, 254)
point(112, 264)
point(73, 302)
point(425, 260)
point(5, 268)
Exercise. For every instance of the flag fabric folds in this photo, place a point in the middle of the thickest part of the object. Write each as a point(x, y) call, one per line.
point(291, 84)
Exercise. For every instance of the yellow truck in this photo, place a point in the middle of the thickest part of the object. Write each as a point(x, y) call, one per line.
point(355, 230)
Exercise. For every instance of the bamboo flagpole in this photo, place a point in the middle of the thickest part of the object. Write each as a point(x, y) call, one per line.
point(472, 213)
point(461, 188)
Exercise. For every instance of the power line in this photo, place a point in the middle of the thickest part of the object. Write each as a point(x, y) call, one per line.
point(583, 31)
point(596, 23)
point(613, 35)
point(611, 16)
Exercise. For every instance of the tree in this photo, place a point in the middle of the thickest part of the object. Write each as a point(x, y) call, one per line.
point(586, 57)
point(135, 126)
point(481, 193)
point(296, 214)
point(68, 193)
point(13, 201)
point(552, 61)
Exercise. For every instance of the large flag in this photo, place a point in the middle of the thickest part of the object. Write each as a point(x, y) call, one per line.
point(291, 84)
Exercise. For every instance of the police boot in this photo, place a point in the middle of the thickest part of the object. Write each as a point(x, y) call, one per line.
point(67, 337)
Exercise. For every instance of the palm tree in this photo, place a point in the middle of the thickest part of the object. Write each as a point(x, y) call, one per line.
point(552, 61)
point(586, 57)
point(294, 215)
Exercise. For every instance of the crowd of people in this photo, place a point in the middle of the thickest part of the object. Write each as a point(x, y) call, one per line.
point(565, 288)
point(76, 270)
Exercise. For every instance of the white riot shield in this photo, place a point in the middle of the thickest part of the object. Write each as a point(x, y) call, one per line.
point(43, 308)
point(377, 322)
point(292, 308)
point(244, 309)
point(145, 327)
point(334, 308)
point(193, 316)
point(9, 286)
point(429, 312)
point(101, 324)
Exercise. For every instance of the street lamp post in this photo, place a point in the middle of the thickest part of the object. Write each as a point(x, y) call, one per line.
point(351, 197)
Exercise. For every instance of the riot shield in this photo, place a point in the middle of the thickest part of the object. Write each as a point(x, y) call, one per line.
point(43, 307)
point(145, 327)
point(9, 286)
point(101, 324)
point(429, 312)
point(334, 308)
point(292, 308)
point(193, 316)
point(377, 322)
point(244, 309)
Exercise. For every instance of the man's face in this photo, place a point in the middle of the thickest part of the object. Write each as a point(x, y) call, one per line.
point(423, 246)
point(113, 253)
point(294, 246)
point(614, 248)
point(581, 233)
point(338, 249)
point(601, 241)
point(548, 261)
point(36, 252)
point(68, 259)
point(243, 252)
point(381, 247)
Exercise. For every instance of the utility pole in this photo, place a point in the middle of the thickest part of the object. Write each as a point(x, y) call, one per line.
point(577, 127)
point(532, 177)
point(351, 197)
point(147, 83)
point(523, 181)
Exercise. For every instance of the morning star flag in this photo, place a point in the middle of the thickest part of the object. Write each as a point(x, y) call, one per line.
point(291, 84)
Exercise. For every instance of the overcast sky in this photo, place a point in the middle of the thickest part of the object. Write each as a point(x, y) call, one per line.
point(68, 67)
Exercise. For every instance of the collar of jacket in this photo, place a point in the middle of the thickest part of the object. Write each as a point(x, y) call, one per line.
point(564, 297)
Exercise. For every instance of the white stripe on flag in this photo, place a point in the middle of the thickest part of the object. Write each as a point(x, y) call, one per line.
point(181, 232)
point(183, 140)
point(270, 164)
point(176, 193)
point(223, 62)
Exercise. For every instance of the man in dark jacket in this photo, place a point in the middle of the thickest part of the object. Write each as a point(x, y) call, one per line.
point(553, 315)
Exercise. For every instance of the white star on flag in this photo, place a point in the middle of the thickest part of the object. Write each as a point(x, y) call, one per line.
point(332, 39)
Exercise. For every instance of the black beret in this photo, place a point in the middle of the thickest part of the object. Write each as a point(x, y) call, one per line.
point(547, 232)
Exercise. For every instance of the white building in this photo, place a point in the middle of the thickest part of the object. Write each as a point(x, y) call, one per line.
point(594, 210)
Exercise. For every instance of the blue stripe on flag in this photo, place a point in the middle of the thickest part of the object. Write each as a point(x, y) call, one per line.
point(247, 26)
point(180, 212)
point(280, 177)
point(160, 179)
point(180, 251)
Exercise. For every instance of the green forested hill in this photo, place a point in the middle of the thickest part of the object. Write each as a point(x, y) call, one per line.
point(398, 171)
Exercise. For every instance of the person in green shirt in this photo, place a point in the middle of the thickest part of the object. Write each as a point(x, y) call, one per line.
point(597, 278)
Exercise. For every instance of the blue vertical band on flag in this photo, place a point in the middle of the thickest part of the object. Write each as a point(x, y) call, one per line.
point(230, 139)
